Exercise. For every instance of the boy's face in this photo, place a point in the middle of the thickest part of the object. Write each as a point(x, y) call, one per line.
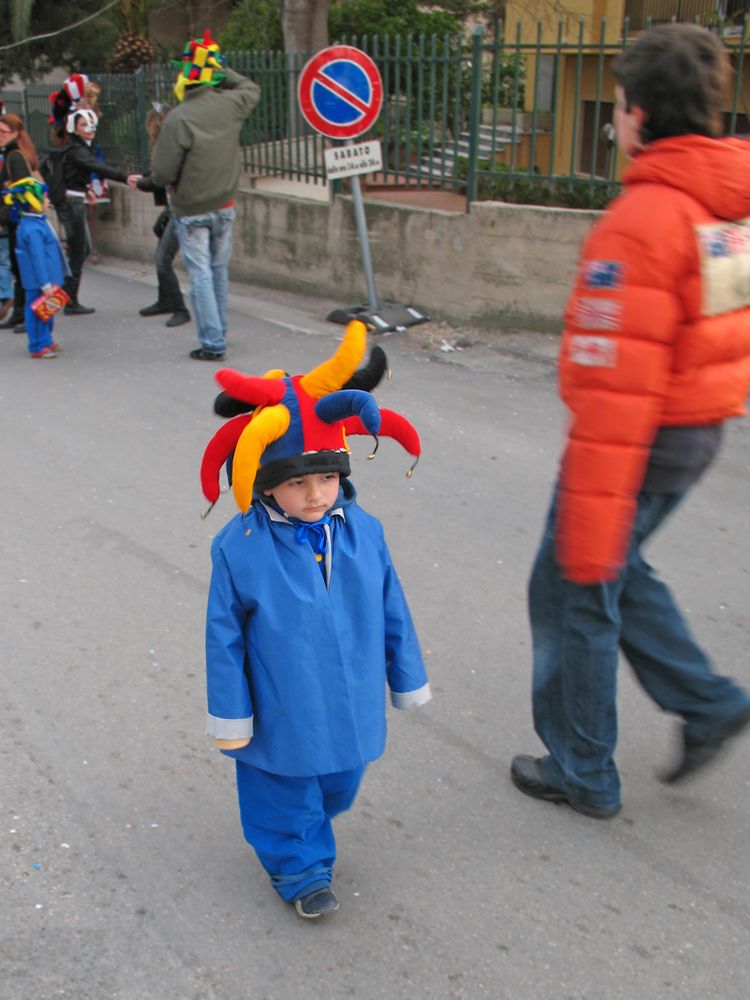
point(307, 497)
point(627, 123)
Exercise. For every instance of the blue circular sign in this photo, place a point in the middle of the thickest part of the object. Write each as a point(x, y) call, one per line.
point(340, 92)
point(348, 101)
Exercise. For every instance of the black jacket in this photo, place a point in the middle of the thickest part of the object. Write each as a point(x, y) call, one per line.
point(160, 194)
point(15, 167)
point(79, 163)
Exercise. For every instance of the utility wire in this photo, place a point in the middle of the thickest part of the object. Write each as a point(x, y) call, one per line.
point(54, 34)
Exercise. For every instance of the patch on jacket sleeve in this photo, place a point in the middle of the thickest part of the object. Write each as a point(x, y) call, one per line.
point(598, 314)
point(725, 266)
point(593, 352)
point(602, 274)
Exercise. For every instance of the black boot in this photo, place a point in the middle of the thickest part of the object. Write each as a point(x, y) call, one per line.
point(169, 298)
point(159, 308)
point(74, 307)
point(180, 317)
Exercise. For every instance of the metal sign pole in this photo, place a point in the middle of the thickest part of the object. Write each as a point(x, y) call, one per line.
point(340, 93)
point(359, 212)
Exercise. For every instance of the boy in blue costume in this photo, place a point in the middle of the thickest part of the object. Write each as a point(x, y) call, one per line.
point(41, 262)
point(307, 621)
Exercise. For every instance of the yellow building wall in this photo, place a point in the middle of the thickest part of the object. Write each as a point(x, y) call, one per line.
point(591, 12)
point(567, 143)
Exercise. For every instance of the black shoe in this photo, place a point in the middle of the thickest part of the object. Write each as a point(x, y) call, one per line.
point(528, 776)
point(157, 309)
point(20, 327)
point(696, 755)
point(76, 309)
point(316, 904)
point(181, 316)
point(201, 354)
point(13, 320)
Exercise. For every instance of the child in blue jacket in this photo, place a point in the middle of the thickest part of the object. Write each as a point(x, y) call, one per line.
point(307, 621)
point(41, 262)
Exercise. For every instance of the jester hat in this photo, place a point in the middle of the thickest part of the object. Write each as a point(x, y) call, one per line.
point(25, 195)
point(200, 63)
point(65, 99)
point(299, 424)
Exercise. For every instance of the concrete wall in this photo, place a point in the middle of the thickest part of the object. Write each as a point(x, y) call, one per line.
point(503, 266)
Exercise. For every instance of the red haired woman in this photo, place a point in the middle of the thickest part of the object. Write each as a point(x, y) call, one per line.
point(20, 160)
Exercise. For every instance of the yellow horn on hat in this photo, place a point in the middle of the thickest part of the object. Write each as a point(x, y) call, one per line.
point(267, 425)
point(335, 372)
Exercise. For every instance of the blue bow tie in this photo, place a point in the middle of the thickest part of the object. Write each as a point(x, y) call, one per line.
point(314, 532)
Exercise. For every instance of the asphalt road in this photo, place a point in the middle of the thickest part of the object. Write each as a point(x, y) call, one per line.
point(124, 874)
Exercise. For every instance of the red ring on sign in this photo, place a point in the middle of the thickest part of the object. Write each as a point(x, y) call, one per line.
point(310, 75)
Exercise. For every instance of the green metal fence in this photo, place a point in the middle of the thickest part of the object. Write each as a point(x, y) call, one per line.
point(497, 115)
point(120, 133)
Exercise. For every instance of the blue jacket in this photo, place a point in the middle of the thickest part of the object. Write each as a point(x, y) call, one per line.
point(301, 666)
point(40, 257)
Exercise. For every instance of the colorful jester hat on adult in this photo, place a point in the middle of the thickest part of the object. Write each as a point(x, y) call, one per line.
point(299, 425)
point(201, 62)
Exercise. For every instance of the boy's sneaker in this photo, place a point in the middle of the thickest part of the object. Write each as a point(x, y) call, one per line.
point(316, 904)
point(46, 352)
point(56, 348)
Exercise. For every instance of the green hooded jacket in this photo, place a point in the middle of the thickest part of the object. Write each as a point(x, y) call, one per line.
point(197, 153)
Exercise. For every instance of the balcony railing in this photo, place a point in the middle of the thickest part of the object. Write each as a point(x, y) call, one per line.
point(639, 12)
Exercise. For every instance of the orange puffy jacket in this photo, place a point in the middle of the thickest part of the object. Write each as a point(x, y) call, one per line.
point(657, 333)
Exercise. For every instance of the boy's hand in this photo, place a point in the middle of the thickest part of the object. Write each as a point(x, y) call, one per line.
point(231, 744)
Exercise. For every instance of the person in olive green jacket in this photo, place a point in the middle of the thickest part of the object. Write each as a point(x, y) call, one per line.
point(197, 157)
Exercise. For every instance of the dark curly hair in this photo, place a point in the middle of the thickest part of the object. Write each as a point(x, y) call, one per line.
point(679, 75)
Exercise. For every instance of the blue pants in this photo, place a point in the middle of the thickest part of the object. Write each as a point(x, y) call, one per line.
point(287, 821)
point(577, 631)
point(6, 275)
point(38, 331)
point(206, 244)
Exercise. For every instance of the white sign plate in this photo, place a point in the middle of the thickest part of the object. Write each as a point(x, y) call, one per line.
point(355, 158)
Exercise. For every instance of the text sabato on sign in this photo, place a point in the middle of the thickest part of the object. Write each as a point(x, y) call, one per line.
point(356, 158)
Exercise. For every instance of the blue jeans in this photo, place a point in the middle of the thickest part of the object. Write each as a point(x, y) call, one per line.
point(6, 275)
point(206, 244)
point(288, 823)
point(577, 632)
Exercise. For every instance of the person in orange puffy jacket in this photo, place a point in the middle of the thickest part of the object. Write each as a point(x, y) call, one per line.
point(655, 357)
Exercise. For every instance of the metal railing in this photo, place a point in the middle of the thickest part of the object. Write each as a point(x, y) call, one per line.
point(495, 116)
point(640, 12)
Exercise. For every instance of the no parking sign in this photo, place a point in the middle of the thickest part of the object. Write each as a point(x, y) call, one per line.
point(340, 92)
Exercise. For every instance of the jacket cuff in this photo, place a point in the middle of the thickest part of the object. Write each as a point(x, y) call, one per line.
point(411, 699)
point(229, 729)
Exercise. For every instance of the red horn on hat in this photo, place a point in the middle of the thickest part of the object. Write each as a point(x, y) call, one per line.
point(255, 389)
point(218, 450)
point(392, 425)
